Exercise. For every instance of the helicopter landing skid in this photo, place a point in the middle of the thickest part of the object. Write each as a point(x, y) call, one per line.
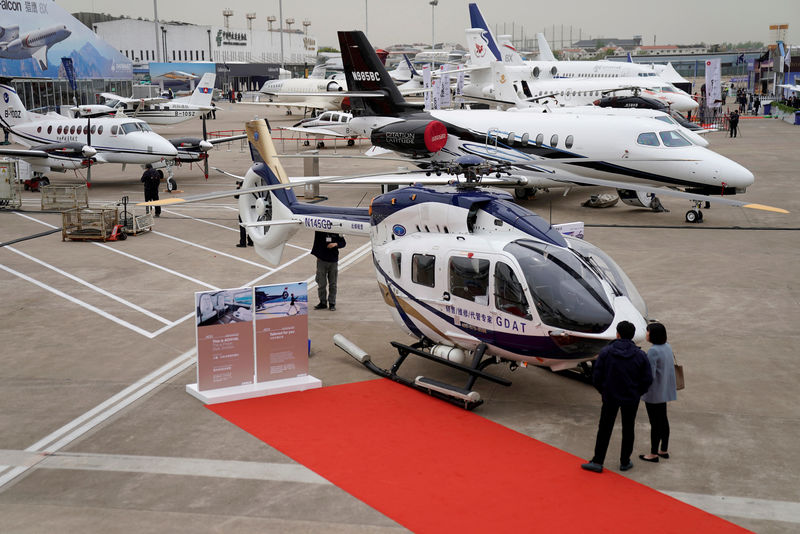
point(463, 397)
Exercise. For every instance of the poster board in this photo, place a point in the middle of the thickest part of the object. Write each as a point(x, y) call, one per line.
point(281, 331)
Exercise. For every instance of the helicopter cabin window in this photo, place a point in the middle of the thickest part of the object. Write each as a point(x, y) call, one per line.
point(539, 140)
point(569, 141)
point(509, 296)
point(648, 139)
point(554, 140)
point(469, 279)
point(423, 269)
point(397, 258)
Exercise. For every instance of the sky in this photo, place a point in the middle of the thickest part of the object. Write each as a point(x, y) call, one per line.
point(409, 21)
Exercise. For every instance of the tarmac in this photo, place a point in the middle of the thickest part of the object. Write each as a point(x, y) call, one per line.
point(97, 432)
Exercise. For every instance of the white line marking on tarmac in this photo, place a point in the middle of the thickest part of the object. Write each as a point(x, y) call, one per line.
point(217, 252)
point(745, 507)
point(92, 287)
point(160, 465)
point(77, 301)
point(65, 435)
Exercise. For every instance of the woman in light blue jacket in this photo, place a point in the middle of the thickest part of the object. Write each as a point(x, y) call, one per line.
point(661, 391)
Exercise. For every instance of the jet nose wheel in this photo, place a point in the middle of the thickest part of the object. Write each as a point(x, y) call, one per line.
point(694, 216)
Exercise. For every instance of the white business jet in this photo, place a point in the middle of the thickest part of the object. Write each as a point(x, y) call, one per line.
point(548, 149)
point(32, 44)
point(158, 110)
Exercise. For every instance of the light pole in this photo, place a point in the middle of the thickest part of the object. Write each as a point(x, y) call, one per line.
point(366, 18)
point(289, 22)
point(155, 22)
point(280, 27)
point(433, 4)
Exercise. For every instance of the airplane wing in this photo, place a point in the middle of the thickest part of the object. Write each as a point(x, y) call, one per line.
point(316, 131)
point(22, 153)
point(226, 139)
point(41, 56)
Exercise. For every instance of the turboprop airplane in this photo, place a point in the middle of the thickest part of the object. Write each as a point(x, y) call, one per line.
point(156, 110)
point(57, 143)
point(33, 44)
point(474, 277)
point(327, 124)
point(638, 154)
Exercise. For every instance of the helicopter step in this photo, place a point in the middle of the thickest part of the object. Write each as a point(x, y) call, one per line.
point(463, 397)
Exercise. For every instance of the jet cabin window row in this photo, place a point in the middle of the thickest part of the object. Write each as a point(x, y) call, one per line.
point(511, 138)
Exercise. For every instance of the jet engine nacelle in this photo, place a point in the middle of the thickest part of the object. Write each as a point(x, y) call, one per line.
point(414, 137)
point(635, 198)
point(333, 86)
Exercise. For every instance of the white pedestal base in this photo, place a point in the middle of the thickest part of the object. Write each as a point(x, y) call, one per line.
point(286, 385)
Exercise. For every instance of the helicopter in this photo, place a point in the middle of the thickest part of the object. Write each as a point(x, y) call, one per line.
point(474, 277)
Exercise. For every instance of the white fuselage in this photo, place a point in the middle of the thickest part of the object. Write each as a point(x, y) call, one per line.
point(172, 112)
point(304, 92)
point(25, 45)
point(115, 140)
point(541, 145)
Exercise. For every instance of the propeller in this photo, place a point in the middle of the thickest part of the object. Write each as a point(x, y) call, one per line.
point(89, 152)
point(205, 146)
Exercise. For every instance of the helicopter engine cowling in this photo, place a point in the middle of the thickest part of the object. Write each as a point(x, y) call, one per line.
point(264, 207)
point(414, 137)
point(639, 199)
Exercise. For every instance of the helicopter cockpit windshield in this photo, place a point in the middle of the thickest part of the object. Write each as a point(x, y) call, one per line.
point(611, 271)
point(567, 293)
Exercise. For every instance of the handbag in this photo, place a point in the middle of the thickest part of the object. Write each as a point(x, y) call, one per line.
point(679, 381)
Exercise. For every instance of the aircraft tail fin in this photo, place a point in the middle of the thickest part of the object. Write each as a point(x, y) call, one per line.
point(12, 110)
point(478, 45)
point(545, 54)
point(477, 21)
point(414, 72)
point(504, 89)
point(8, 33)
point(363, 71)
point(507, 50)
point(319, 71)
point(201, 96)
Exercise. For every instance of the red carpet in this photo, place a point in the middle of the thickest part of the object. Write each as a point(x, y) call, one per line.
point(433, 467)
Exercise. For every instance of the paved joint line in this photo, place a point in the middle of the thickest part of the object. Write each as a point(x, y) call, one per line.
point(91, 286)
point(217, 252)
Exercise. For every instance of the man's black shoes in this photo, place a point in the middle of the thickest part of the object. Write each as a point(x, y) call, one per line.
point(320, 306)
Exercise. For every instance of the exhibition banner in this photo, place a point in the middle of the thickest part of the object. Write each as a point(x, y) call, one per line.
point(224, 320)
point(281, 327)
point(713, 83)
point(35, 34)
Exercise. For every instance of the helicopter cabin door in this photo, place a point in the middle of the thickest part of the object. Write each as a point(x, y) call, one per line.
point(468, 294)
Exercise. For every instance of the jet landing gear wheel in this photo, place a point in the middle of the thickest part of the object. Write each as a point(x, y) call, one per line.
point(351, 142)
point(694, 215)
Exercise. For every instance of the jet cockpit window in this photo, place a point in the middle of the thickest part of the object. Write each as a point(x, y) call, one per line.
point(667, 119)
point(674, 138)
point(567, 293)
point(423, 269)
point(469, 279)
point(129, 127)
point(648, 139)
point(143, 126)
point(509, 296)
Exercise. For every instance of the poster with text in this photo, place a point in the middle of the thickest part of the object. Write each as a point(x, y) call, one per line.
point(281, 323)
point(225, 356)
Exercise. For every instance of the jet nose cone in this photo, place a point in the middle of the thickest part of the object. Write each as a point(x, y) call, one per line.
point(738, 176)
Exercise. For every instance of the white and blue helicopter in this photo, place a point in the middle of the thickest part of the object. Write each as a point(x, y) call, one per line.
point(475, 278)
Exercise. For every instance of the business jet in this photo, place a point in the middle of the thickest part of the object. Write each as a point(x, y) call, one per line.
point(57, 143)
point(33, 44)
point(564, 91)
point(312, 93)
point(549, 149)
point(156, 110)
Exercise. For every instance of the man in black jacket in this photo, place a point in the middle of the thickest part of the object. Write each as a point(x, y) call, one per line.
point(326, 249)
point(151, 180)
point(622, 375)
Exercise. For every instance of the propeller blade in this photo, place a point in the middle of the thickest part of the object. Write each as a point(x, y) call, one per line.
point(205, 165)
point(205, 134)
point(89, 131)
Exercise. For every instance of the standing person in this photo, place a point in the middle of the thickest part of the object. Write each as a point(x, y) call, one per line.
point(734, 123)
point(756, 104)
point(326, 250)
point(661, 391)
point(213, 110)
point(150, 179)
point(239, 96)
point(622, 375)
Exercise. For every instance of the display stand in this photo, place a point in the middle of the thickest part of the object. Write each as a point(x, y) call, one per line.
point(234, 393)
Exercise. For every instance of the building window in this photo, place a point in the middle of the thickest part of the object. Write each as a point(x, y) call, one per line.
point(173, 55)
